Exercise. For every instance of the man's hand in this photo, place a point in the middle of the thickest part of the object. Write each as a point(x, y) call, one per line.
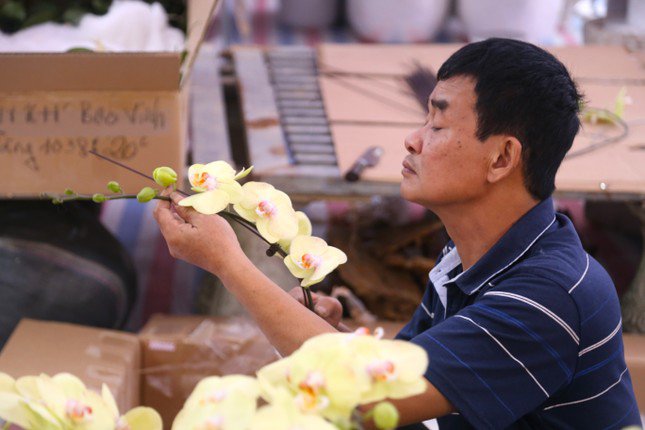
point(328, 308)
point(207, 241)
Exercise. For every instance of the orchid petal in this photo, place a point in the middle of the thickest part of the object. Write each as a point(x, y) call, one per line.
point(302, 245)
point(193, 171)
point(331, 258)
point(247, 214)
point(284, 225)
point(208, 203)
point(243, 173)
point(296, 270)
point(109, 401)
point(143, 418)
point(232, 188)
point(71, 386)
point(12, 410)
point(220, 170)
point(262, 224)
point(7, 384)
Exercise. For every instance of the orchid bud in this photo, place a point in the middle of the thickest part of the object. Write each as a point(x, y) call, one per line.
point(114, 187)
point(146, 194)
point(69, 191)
point(386, 416)
point(98, 198)
point(164, 176)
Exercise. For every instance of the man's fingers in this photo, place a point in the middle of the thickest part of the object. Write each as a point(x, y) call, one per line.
point(165, 217)
point(185, 213)
point(329, 309)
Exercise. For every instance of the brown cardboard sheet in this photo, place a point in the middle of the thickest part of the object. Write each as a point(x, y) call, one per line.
point(619, 166)
point(606, 62)
point(352, 140)
point(377, 100)
point(94, 355)
point(382, 59)
point(359, 121)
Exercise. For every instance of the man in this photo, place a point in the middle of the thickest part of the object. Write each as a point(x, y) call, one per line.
point(522, 327)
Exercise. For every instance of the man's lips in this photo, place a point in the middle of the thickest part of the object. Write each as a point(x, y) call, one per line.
point(407, 167)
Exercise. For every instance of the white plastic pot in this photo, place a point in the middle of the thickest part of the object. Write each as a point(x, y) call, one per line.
point(533, 21)
point(396, 21)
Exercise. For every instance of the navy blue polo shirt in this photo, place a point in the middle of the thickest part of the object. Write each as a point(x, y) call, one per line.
point(529, 336)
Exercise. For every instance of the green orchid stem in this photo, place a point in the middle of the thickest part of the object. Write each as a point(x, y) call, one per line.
point(309, 301)
point(273, 248)
point(88, 197)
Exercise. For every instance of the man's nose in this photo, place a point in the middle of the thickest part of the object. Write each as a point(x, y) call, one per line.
point(413, 142)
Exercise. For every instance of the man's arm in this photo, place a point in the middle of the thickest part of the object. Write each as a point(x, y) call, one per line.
point(208, 241)
point(428, 405)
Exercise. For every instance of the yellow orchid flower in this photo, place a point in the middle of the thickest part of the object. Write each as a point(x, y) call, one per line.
point(216, 389)
point(7, 384)
point(62, 402)
point(321, 379)
point(284, 414)
point(216, 186)
point(269, 209)
point(304, 229)
point(219, 403)
point(311, 259)
point(395, 367)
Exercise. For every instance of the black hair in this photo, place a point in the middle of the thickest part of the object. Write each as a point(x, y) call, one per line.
point(525, 92)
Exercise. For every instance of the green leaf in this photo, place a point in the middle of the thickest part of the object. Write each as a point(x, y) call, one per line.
point(79, 49)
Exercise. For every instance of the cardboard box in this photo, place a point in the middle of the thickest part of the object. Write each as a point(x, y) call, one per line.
point(635, 358)
point(179, 351)
point(159, 367)
point(132, 107)
point(94, 355)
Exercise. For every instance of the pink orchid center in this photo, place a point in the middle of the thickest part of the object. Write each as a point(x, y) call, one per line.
point(309, 261)
point(382, 370)
point(215, 422)
point(122, 424)
point(205, 181)
point(266, 209)
point(309, 398)
point(77, 411)
point(215, 396)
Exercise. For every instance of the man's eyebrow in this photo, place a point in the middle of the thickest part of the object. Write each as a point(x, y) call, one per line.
point(439, 104)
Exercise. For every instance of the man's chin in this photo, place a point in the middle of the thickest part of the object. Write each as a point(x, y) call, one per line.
point(407, 193)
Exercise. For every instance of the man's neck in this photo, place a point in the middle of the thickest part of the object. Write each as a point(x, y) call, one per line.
point(477, 225)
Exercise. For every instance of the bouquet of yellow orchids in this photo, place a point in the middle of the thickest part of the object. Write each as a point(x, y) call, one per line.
point(258, 206)
point(321, 386)
point(62, 402)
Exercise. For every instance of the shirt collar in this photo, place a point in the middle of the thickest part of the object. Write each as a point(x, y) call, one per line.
point(509, 249)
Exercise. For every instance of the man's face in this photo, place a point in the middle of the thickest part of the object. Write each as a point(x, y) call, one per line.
point(446, 163)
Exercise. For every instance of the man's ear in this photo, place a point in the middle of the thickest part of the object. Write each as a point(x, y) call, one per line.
point(506, 158)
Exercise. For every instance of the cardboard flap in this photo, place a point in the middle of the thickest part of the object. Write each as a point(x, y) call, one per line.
point(199, 17)
point(22, 73)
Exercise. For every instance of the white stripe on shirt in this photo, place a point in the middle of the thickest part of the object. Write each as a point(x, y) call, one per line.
point(589, 398)
point(430, 314)
point(602, 342)
point(516, 258)
point(507, 352)
point(539, 307)
point(582, 277)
